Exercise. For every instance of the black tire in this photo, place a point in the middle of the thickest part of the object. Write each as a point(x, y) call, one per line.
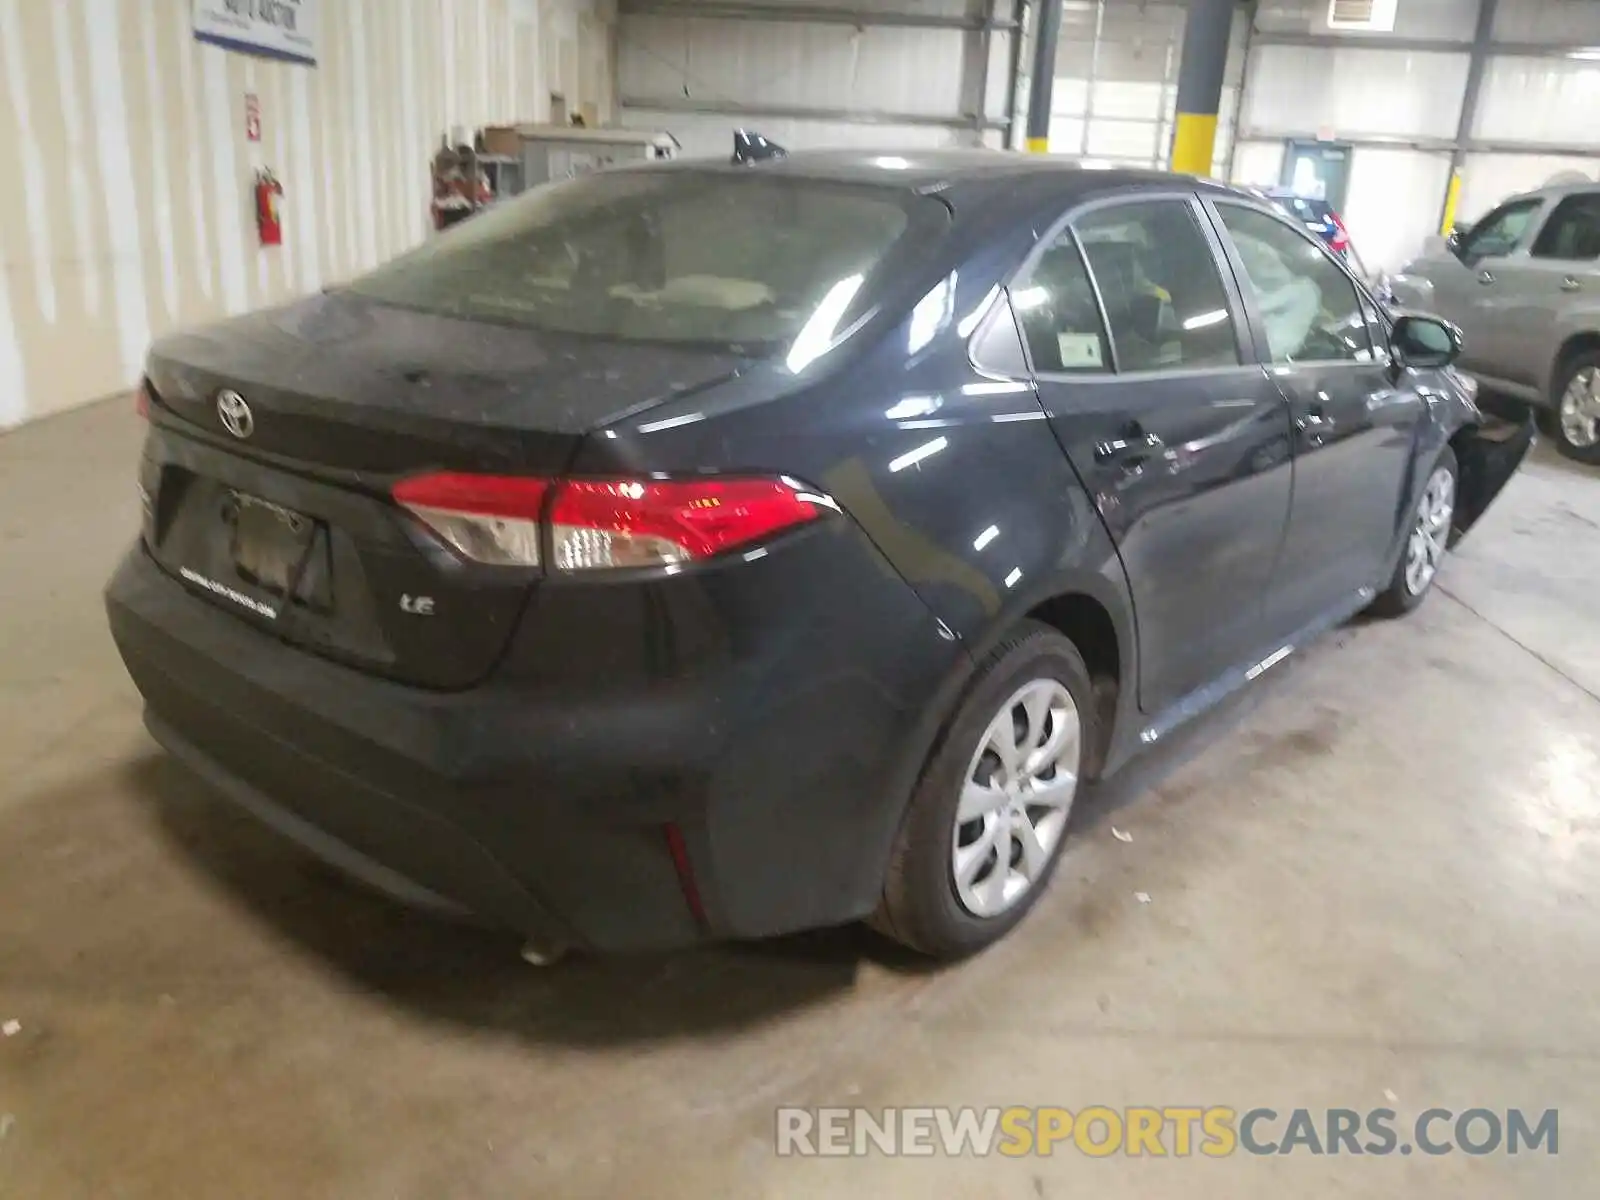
point(920, 907)
point(1398, 599)
point(1590, 455)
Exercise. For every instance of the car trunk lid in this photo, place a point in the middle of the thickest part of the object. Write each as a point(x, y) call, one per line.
point(285, 517)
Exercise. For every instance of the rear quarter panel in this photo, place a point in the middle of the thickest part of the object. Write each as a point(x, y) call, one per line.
point(952, 476)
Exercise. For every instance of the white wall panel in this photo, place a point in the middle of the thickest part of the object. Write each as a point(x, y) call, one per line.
point(1487, 179)
point(1067, 134)
point(937, 8)
point(799, 65)
point(1069, 96)
point(997, 81)
point(710, 135)
point(1134, 140)
point(1356, 90)
point(1258, 163)
point(1393, 203)
point(1145, 101)
point(1540, 100)
point(125, 173)
point(1553, 21)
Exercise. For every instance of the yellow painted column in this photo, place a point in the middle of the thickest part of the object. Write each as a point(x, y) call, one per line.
point(1206, 35)
point(1194, 140)
point(1046, 35)
point(1452, 197)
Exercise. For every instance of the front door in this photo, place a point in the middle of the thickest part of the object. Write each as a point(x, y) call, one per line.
point(1468, 287)
point(1353, 429)
point(1178, 436)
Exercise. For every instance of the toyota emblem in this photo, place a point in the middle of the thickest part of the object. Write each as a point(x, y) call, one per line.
point(235, 414)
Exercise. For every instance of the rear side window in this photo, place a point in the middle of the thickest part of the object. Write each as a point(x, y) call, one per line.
point(1311, 310)
point(675, 256)
point(1573, 230)
point(1158, 279)
point(1060, 318)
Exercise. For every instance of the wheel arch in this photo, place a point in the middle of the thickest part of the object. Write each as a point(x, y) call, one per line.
point(1087, 623)
point(1092, 610)
point(1583, 342)
point(1084, 605)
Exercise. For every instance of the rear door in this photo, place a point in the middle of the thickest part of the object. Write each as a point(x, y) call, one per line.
point(1532, 291)
point(1176, 432)
point(1354, 431)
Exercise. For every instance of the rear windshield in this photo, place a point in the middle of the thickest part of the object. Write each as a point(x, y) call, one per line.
point(673, 255)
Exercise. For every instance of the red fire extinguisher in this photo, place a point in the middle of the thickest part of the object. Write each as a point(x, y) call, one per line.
point(269, 219)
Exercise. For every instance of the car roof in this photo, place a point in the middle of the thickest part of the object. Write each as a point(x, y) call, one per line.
point(1284, 193)
point(1556, 190)
point(930, 171)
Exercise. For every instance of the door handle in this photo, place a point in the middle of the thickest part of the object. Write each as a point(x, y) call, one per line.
point(1570, 284)
point(1130, 448)
point(1314, 425)
point(1486, 276)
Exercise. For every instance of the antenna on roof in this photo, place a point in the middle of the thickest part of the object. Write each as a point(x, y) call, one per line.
point(750, 148)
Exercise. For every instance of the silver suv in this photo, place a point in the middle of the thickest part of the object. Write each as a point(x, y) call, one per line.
point(1524, 286)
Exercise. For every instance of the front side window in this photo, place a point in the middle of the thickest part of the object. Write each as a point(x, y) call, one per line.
point(1573, 230)
point(678, 256)
point(1311, 310)
point(1164, 300)
point(1500, 232)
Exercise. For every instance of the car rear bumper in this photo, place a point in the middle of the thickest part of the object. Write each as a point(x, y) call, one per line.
point(548, 810)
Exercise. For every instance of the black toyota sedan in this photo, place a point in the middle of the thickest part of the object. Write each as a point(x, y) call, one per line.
point(711, 551)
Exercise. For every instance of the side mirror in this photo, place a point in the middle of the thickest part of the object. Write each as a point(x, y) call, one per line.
point(1425, 342)
point(751, 147)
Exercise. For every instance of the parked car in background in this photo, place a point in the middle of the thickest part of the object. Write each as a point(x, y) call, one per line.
point(1320, 218)
point(709, 550)
point(1523, 284)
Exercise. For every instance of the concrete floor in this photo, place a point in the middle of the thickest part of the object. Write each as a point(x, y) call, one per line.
point(1377, 874)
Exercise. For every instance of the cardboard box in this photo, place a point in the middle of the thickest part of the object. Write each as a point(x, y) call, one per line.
point(501, 139)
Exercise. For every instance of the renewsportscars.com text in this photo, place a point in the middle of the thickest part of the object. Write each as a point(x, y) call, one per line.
point(1168, 1131)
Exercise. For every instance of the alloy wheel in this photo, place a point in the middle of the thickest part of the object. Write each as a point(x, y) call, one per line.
point(1580, 409)
point(1015, 797)
point(1431, 533)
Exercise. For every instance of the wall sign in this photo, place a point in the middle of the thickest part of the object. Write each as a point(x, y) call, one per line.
point(285, 29)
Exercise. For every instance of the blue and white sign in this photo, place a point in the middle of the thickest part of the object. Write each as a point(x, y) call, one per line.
point(285, 29)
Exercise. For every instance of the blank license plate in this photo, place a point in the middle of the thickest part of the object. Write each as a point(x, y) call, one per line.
point(268, 542)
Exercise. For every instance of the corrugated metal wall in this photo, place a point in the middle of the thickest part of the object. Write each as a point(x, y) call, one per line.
point(125, 173)
point(883, 73)
point(1371, 94)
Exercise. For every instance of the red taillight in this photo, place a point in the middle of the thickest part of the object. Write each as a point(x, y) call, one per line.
point(488, 518)
point(606, 523)
point(653, 523)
